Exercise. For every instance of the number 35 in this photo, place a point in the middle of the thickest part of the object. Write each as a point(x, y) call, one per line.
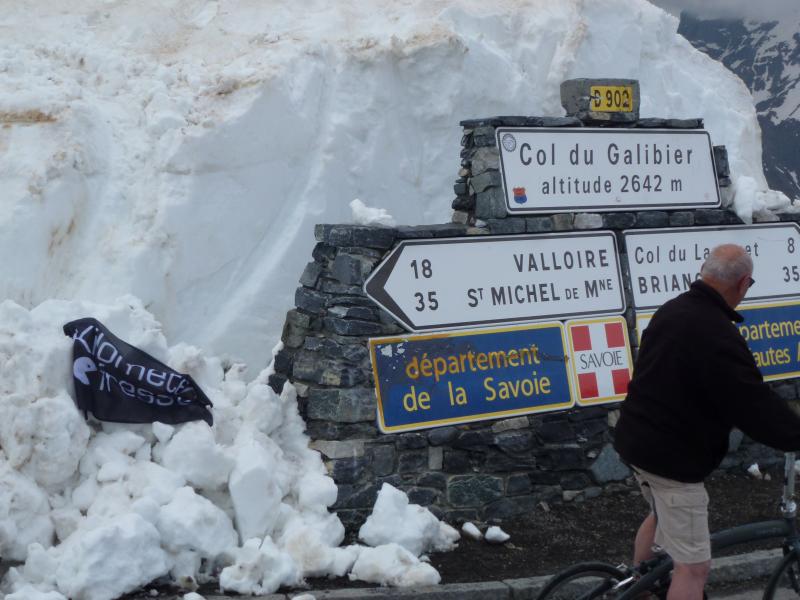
point(433, 303)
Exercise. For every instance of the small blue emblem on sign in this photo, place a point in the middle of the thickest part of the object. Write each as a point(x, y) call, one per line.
point(519, 195)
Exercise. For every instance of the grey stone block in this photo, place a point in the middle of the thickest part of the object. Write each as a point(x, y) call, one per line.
point(365, 313)
point(353, 351)
point(490, 204)
point(539, 224)
point(483, 136)
point(563, 222)
point(355, 235)
point(506, 226)
point(474, 490)
point(339, 448)
point(721, 163)
point(460, 216)
point(411, 441)
point(735, 440)
point(443, 230)
point(383, 459)
point(442, 435)
point(510, 424)
point(653, 218)
point(484, 181)
point(683, 218)
point(433, 480)
point(311, 274)
point(608, 466)
point(500, 462)
point(347, 405)
point(514, 441)
point(295, 329)
point(518, 484)
point(568, 457)
point(588, 221)
point(556, 431)
point(619, 220)
point(485, 159)
point(352, 326)
point(324, 371)
point(323, 253)
point(423, 496)
point(709, 216)
point(455, 461)
point(352, 269)
point(465, 203)
point(435, 458)
point(412, 461)
point(309, 300)
point(470, 439)
point(348, 470)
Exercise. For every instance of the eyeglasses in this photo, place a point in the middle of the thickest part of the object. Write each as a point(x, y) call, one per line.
point(750, 282)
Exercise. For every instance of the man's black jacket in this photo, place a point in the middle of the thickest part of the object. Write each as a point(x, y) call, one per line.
point(694, 380)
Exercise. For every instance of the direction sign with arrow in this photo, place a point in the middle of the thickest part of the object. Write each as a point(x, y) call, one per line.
point(664, 262)
point(466, 282)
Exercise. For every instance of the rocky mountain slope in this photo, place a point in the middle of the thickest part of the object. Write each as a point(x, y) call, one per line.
point(766, 56)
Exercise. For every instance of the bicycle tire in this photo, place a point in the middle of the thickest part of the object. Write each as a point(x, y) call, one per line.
point(586, 580)
point(785, 578)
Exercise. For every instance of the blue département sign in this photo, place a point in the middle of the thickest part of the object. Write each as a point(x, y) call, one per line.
point(438, 379)
point(772, 332)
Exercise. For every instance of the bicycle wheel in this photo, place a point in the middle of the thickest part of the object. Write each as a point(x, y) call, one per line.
point(785, 579)
point(589, 580)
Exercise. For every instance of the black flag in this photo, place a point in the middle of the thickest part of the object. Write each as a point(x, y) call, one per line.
point(118, 382)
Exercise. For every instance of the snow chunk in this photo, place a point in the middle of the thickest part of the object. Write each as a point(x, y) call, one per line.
point(755, 471)
point(495, 535)
point(391, 564)
point(255, 490)
point(191, 522)
point(30, 593)
point(110, 560)
point(471, 531)
point(194, 453)
point(259, 568)
point(412, 526)
point(365, 215)
point(25, 511)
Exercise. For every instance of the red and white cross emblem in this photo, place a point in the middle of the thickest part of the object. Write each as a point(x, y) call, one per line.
point(600, 359)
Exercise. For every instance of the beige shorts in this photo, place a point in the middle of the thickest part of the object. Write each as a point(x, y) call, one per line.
point(681, 511)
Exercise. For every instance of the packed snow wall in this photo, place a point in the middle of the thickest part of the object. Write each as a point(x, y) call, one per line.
point(489, 470)
point(183, 151)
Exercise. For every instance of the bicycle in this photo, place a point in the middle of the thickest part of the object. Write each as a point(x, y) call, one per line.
point(603, 581)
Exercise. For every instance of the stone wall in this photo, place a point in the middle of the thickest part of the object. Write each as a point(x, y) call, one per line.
point(485, 471)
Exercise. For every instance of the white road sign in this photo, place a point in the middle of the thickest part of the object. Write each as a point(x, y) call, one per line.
point(558, 169)
point(664, 262)
point(464, 282)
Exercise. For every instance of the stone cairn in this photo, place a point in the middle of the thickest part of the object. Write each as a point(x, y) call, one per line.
point(486, 471)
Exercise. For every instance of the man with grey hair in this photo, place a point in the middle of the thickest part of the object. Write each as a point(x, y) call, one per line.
point(693, 381)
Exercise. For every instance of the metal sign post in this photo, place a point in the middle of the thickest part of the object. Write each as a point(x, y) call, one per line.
point(467, 282)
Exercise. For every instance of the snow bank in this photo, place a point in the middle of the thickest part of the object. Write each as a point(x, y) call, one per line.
point(182, 151)
point(245, 500)
point(126, 504)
